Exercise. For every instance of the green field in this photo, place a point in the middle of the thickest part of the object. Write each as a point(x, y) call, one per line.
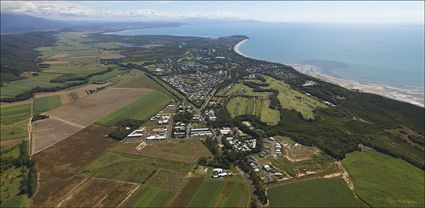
point(318, 163)
point(106, 76)
point(313, 193)
point(43, 104)
point(141, 109)
point(292, 99)
point(149, 196)
point(14, 88)
point(241, 89)
point(383, 181)
point(238, 106)
point(138, 79)
point(225, 192)
point(14, 121)
point(126, 167)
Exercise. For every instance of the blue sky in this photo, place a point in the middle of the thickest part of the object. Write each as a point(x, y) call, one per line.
point(277, 11)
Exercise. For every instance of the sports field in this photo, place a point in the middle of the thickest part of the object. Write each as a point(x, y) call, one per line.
point(383, 181)
point(141, 109)
point(313, 193)
point(14, 120)
point(43, 104)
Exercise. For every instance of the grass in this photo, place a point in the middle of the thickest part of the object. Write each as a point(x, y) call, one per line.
point(318, 163)
point(141, 109)
point(14, 88)
point(138, 79)
point(14, 120)
point(43, 104)
point(238, 106)
point(292, 99)
point(125, 167)
point(313, 193)
point(106, 76)
point(149, 196)
point(225, 192)
point(383, 181)
point(16, 201)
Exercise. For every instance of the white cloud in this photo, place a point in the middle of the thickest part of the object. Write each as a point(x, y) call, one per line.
point(60, 9)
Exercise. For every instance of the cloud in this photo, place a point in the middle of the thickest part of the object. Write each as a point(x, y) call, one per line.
point(60, 9)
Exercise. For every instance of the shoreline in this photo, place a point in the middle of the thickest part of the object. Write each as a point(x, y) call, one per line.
point(411, 96)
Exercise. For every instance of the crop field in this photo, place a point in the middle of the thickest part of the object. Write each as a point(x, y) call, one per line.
point(59, 163)
point(98, 193)
point(158, 190)
point(187, 151)
point(292, 99)
point(383, 181)
point(14, 120)
point(138, 169)
point(138, 79)
point(141, 109)
point(71, 118)
point(43, 104)
point(313, 193)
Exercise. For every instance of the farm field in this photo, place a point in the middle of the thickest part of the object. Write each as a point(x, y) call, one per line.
point(43, 104)
point(169, 150)
point(138, 169)
point(59, 163)
point(381, 180)
point(313, 193)
point(225, 192)
point(138, 79)
point(99, 193)
point(14, 120)
point(141, 109)
point(71, 118)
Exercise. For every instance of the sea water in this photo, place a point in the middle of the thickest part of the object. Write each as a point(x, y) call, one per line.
point(391, 55)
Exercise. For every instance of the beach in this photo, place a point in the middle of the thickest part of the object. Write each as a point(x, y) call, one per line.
point(412, 96)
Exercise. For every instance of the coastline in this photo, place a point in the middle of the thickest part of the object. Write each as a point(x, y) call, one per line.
point(412, 96)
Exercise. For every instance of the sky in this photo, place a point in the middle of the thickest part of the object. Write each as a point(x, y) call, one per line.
point(391, 12)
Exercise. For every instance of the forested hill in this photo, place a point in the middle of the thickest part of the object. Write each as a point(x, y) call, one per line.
point(18, 53)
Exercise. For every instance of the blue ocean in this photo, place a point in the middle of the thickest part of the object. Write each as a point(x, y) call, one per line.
point(391, 55)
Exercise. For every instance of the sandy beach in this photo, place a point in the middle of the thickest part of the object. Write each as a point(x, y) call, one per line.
point(412, 96)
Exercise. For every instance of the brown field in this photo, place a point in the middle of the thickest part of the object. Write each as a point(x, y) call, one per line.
point(187, 150)
point(72, 117)
point(4, 144)
point(59, 164)
point(186, 194)
point(97, 193)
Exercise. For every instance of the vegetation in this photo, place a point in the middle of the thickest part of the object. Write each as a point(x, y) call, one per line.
point(381, 180)
point(18, 176)
point(141, 109)
point(43, 104)
point(313, 193)
point(14, 121)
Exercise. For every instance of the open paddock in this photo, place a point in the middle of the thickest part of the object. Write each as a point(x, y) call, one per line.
point(98, 193)
point(68, 119)
point(188, 150)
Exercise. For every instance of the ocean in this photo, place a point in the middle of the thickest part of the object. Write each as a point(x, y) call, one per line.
point(384, 55)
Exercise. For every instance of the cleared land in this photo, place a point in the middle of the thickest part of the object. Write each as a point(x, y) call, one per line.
point(14, 120)
point(59, 163)
point(188, 151)
point(141, 109)
point(71, 118)
point(43, 104)
point(383, 181)
point(98, 193)
point(137, 169)
point(313, 193)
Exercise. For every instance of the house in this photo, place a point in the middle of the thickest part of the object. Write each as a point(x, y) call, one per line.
point(267, 168)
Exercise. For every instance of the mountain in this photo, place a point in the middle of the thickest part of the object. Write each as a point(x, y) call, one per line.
point(16, 23)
